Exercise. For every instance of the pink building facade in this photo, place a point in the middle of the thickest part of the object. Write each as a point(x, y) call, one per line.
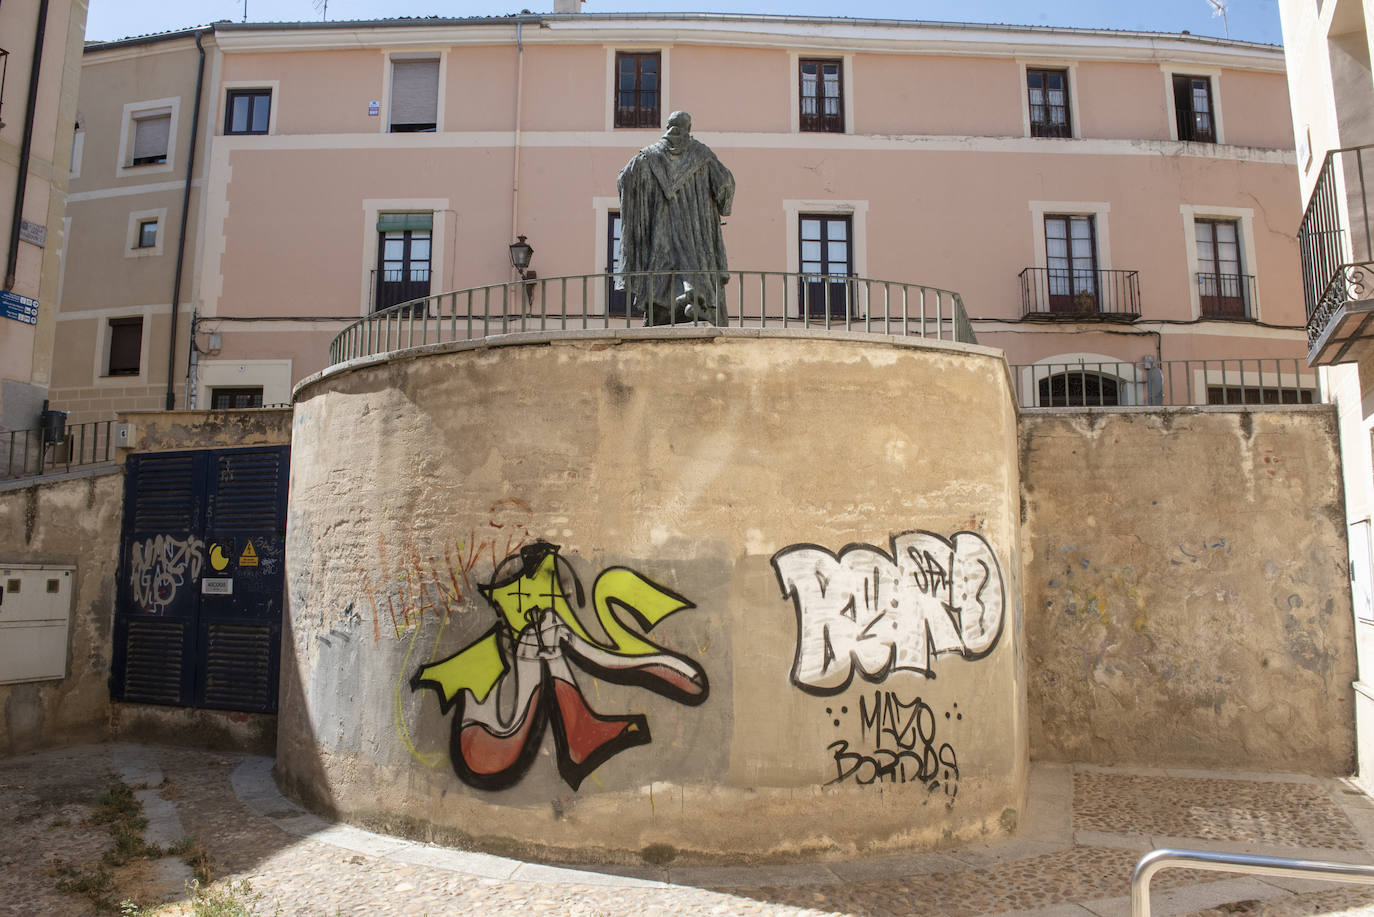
point(1104, 202)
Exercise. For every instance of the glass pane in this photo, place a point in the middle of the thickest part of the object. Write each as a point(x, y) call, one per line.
point(1056, 229)
point(839, 229)
point(837, 253)
point(648, 65)
point(419, 250)
point(238, 115)
point(811, 229)
point(1201, 101)
point(811, 251)
point(648, 82)
point(262, 106)
point(393, 248)
point(1082, 228)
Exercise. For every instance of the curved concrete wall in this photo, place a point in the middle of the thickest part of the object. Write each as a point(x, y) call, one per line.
point(611, 596)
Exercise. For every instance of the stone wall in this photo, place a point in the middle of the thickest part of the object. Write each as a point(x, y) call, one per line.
point(1187, 601)
point(726, 595)
point(76, 522)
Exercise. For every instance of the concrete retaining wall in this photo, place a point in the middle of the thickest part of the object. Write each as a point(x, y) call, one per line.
point(1187, 601)
point(632, 597)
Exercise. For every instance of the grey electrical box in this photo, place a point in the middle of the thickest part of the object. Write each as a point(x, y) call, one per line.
point(35, 617)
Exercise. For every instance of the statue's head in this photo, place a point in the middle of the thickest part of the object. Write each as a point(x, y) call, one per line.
point(679, 131)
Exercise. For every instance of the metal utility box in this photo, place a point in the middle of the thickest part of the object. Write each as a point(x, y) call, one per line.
point(35, 616)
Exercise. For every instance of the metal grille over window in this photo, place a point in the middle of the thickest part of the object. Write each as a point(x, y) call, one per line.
point(1048, 94)
point(151, 135)
point(821, 104)
point(414, 96)
point(636, 89)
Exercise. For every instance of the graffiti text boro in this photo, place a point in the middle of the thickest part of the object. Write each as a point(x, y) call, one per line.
point(886, 613)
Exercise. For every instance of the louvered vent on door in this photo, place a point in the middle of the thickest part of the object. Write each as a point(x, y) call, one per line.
point(246, 495)
point(152, 661)
point(165, 499)
point(238, 666)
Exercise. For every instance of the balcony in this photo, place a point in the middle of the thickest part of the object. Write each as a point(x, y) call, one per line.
point(1055, 294)
point(1226, 295)
point(1337, 246)
point(595, 302)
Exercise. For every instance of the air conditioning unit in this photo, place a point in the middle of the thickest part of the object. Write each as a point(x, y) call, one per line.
point(35, 617)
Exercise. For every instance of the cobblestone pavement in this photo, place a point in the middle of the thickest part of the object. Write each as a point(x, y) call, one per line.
point(1085, 829)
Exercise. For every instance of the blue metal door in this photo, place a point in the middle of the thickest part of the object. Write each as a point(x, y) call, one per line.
point(199, 601)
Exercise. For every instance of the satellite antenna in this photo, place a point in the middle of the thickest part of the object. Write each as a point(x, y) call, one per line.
point(323, 7)
point(1218, 9)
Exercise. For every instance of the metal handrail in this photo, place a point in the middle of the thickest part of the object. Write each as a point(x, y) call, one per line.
point(26, 453)
point(1080, 293)
point(751, 299)
point(1168, 858)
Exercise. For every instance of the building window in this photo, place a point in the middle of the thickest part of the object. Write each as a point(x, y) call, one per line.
point(152, 131)
point(616, 296)
point(1222, 286)
point(822, 96)
point(1047, 92)
point(414, 96)
point(227, 399)
point(1255, 394)
point(827, 264)
point(403, 257)
point(247, 111)
point(126, 346)
point(147, 234)
point(637, 89)
point(1071, 263)
point(1078, 388)
point(1193, 108)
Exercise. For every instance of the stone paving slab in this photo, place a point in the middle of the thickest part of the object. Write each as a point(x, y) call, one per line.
point(1083, 831)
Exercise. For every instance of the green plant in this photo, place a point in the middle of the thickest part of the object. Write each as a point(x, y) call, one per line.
point(227, 900)
point(194, 855)
point(94, 884)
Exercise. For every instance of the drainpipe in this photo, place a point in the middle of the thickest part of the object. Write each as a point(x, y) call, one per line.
point(519, 102)
point(181, 234)
point(26, 148)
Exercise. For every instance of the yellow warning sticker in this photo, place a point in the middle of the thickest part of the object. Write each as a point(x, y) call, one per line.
point(249, 557)
point(217, 558)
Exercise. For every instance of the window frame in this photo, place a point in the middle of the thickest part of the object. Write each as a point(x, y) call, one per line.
point(137, 218)
point(821, 122)
point(1074, 115)
point(407, 240)
point(1069, 302)
point(224, 391)
point(112, 335)
point(253, 93)
point(813, 292)
point(141, 239)
point(388, 125)
point(642, 121)
point(1245, 216)
point(1045, 127)
point(1214, 256)
point(1213, 76)
point(139, 111)
point(1186, 84)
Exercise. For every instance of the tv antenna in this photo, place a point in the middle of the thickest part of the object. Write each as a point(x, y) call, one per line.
point(1218, 9)
point(323, 7)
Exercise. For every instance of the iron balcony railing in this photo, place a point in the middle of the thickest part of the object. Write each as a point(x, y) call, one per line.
point(1225, 295)
point(31, 452)
point(393, 287)
point(752, 299)
point(1172, 383)
point(1063, 293)
point(1337, 264)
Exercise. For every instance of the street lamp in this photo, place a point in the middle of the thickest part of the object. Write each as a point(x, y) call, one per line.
point(520, 254)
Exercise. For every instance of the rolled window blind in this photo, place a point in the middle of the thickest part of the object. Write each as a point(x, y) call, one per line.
point(414, 92)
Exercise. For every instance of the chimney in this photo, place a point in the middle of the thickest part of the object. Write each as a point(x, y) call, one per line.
point(567, 6)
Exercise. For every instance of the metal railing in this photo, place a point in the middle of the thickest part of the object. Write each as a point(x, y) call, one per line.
point(1078, 294)
point(387, 288)
point(1225, 295)
point(1172, 383)
point(1340, 199)
point(30, 452)
point(1166, 858)
point(751, 299)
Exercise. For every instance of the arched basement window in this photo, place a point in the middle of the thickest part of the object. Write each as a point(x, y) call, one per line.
point(1079, 388)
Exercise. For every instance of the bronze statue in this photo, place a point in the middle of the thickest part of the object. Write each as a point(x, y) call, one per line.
point(672, 196)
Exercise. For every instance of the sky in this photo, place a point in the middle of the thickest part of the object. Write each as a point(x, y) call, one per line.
point(1246, 20)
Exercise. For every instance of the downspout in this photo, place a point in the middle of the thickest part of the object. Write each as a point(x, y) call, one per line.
point(26, 148)
point(519, 103)
point(181, 234)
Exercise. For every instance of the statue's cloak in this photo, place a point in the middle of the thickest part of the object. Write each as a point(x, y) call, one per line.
point(670, 209)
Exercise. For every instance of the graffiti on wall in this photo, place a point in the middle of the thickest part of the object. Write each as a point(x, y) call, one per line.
point(160, 566)
point(897, 743)
point(878, 613)
point(517, 679)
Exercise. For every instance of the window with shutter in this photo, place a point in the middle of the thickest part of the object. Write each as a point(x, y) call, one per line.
point(151, 133)
point(414, 96)
point(126, 346)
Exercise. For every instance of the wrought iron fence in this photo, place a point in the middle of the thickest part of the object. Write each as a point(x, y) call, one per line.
point(1331, 255)
point(1171, 383)
point(31, 452)
point(1069, 294)
point(1225, 295)
point(751, 299)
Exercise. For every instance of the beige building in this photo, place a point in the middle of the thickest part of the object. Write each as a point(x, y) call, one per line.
point(1106, 203)
point(41, 63)
point(1328, 51)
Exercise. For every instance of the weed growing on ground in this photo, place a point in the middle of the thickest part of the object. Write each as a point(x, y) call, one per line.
point(227, 900)
point(194, 855)
point(94, 884)
point(122, 815)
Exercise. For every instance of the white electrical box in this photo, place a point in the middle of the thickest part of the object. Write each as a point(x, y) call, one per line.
point(35, 616)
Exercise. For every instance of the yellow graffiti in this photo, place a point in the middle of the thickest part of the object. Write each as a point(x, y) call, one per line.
point(431, 759)
point(476, 668)
point(626, 588)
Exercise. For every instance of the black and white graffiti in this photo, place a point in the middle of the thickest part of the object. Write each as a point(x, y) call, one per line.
point(881, 613)
point(896, 744)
